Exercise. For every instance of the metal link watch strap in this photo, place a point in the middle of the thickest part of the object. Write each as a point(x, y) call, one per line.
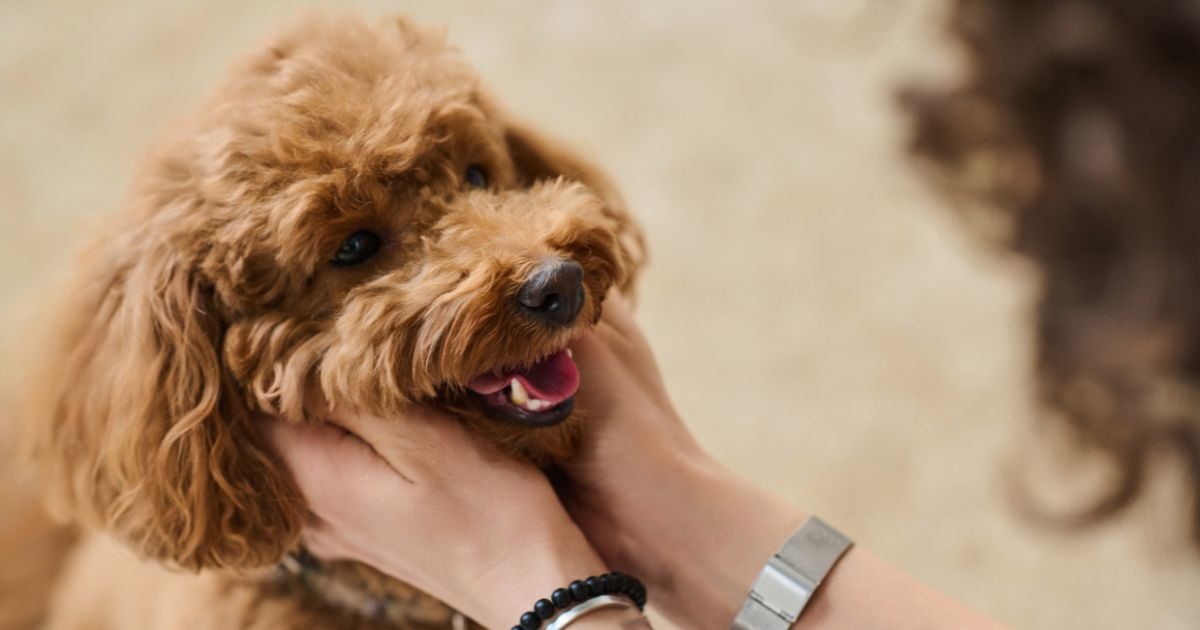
point(791, 576)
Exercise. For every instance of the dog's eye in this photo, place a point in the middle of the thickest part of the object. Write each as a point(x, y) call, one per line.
point(357, 248)
point(476, 176)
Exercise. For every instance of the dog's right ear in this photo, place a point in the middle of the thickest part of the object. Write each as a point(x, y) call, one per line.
point(137, 426)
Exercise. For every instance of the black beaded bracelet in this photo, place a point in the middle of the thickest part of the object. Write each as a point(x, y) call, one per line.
point(580, 591)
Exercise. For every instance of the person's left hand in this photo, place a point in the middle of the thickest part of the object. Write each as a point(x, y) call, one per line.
point(424, 500)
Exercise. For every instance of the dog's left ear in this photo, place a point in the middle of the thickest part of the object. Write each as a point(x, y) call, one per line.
point(538, 157)
point(137, 425)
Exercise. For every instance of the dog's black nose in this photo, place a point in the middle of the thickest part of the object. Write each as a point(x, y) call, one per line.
point(554, 292)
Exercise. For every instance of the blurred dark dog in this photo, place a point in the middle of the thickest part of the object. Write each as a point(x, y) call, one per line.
point(1076, 132)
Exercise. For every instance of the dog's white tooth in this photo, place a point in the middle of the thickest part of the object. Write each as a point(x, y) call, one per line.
point(570, 354)
point(518, 396)
point(536, 405)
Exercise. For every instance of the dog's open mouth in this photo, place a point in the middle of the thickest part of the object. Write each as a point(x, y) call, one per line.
point(542, 394)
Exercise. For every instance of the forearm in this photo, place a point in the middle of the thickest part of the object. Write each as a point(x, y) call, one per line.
point(700, 570)
point(863, 593)
point(724, 530)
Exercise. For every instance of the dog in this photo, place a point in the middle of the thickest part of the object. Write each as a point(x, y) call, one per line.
point(349, 223)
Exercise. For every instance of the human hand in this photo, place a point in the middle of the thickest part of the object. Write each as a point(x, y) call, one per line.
point(650, 499)
point(425, 501)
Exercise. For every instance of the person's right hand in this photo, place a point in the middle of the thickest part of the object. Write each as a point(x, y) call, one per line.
point(650, 499)
point(654, 504)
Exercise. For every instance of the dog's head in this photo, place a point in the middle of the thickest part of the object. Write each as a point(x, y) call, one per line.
point(350, 223)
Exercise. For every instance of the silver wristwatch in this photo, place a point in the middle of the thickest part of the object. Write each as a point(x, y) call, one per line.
point(791, 576)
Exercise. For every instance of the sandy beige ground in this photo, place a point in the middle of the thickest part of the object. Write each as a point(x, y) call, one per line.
point(823, 322)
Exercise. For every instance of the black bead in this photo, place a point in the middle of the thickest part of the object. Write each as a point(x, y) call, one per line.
point(593, 584)
point(561, 597)
point(530, 621)
point(516, 628)
point(622, 583)
point(579, 591)
point(544, 608)
point(606, 584)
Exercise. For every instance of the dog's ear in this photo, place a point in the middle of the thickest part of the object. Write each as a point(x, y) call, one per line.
point(136, 424)
point(536, 157)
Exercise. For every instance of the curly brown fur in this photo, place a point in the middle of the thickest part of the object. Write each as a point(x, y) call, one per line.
point(211, 299)
point(1078, 131)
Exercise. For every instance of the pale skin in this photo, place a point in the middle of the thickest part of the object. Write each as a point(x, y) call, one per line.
point(424, 501)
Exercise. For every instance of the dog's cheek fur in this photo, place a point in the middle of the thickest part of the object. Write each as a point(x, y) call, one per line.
point(404, 337)
point(274, 357)
point(140, 430)
point(405, 340)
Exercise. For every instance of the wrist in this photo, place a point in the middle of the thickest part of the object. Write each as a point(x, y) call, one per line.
point(531, 572)
point(722, 529)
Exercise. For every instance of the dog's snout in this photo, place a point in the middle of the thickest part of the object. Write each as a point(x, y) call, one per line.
point(553, 293)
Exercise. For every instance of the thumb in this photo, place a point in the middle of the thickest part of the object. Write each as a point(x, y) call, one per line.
point(323, 458)
point(418, 437)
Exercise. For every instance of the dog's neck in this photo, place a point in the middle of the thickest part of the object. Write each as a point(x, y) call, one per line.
point(361, 591)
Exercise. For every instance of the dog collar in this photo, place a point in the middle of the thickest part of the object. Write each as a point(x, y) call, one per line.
point(370, 599)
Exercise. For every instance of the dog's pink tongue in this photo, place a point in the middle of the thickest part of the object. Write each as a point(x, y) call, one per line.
point(553, 380)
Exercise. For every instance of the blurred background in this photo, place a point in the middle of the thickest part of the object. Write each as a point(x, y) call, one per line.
point(824, 322)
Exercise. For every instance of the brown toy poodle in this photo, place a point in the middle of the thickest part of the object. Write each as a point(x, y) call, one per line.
point(350, 222)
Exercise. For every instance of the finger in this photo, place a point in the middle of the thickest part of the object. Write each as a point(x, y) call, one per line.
point(415, 423)
point(424, 442)
point(322, 541)
point(325, 460)
point(592, 353)
point(607, 347)
point(294, 442)
point(618, 313)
